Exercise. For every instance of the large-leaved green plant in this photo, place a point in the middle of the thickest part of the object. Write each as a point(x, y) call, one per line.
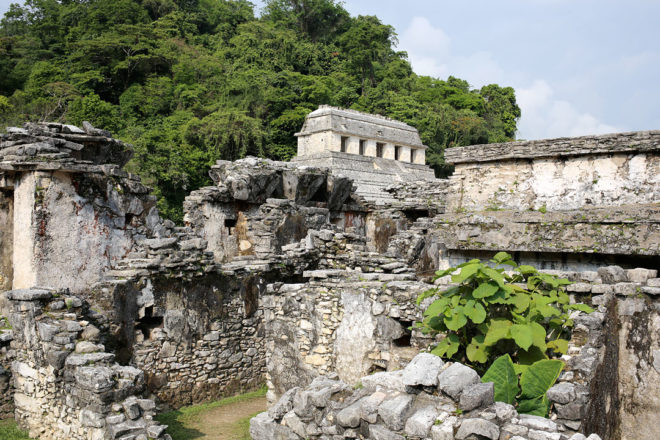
point(501, 309)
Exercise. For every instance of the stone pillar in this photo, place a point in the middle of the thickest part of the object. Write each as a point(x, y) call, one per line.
point(25, 192)
point(419, 156)
point(334, 142)
point(388, 151)
point(405, 154)
point(370, 149)
point(353, 145)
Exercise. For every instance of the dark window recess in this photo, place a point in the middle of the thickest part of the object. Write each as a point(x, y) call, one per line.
point(230, 223)
point(149, 322)
point(379, 149)
point(344, 144)
point(321, 195)
point(404, 341)
point(397, 152)
point(415, 214)
point(363, 144)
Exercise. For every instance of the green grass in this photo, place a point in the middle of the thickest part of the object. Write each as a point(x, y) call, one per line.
point(179, 421)
point(242, 429)
point(9, 431)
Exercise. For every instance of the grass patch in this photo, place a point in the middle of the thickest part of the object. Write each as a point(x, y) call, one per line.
point(242, 429)
point(9, 431)
point(179, 421)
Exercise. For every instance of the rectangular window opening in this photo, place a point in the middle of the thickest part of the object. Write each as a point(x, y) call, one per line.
point(344, 144)
point(363, 144)
point(397, 152)
point(379, 149)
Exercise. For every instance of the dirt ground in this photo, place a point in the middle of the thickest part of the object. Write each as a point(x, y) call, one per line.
point(222, 423)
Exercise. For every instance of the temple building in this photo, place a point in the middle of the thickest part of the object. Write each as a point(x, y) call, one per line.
point(373, 150)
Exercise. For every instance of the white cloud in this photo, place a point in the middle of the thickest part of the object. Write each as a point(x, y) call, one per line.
point(544, 115)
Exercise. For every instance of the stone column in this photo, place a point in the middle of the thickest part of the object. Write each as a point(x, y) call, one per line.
point(388, 151)
point(419, 156)
point(334, 142)
point(25, 192)
point(405, 154)
point(353, 145)
point(370, 148)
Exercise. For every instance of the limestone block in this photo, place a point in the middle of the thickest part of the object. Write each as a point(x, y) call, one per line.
point(453, 380)
point(393, 412)
point(379, 432)
point(478, 427)
point(477, 395)
point(419, 424)
point(423, 370)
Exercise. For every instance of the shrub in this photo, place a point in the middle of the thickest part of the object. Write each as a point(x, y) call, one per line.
point(520, 317)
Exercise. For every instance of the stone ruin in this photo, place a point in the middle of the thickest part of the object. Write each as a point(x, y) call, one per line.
point(289, 275)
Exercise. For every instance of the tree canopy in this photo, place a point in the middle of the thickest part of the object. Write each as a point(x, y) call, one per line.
point(192, 81)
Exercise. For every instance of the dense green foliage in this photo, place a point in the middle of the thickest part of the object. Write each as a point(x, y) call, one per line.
point(192, 81)
point(492, 317)
point(491, 312)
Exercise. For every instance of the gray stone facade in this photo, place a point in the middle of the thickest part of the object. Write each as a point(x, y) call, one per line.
point(374, 151)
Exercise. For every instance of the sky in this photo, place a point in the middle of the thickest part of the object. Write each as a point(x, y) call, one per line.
point(578, 66)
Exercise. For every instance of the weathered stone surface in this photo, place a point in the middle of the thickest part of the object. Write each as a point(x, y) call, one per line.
point(453, 380)
point(423, 370)
point(262, 427)
point(478, 427)
point(284, 405)
point(394, 411)
point(380, 432)
point(477, 395)
point(562, 393)
point(419, 424)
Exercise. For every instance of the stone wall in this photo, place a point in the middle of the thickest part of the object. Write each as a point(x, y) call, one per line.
point(6, 386)
point(428, 399)
point(557, 174)
point(69, 198)
point(66, 385)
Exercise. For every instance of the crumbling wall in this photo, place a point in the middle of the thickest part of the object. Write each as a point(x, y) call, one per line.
point(6, 240)
point(426, 399)
point(70, 199)
point(66, 385)
point(557, 174)
point(6, 383)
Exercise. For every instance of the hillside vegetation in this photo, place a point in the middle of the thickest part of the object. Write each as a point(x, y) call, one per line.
point(192, 81)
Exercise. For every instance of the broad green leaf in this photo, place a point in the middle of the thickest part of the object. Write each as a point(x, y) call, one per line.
point(453, 344)
point(519, 301)
point(539, 377)
point(478, 314)
point(485, 290)
point(500, 257)
point(456, 320)
point(536, 407)
point(443, 273)
point(538, 336)
point(493, 274)
point(559, 345)
point(477, 351)
point(581, 307)
point(500, 297)
point(437, 323)
point(466, 272)
point(523, 335)
point(527, 270)
point(437, 307)
point(504, 378)
point(520, 369)
point(498, 329)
